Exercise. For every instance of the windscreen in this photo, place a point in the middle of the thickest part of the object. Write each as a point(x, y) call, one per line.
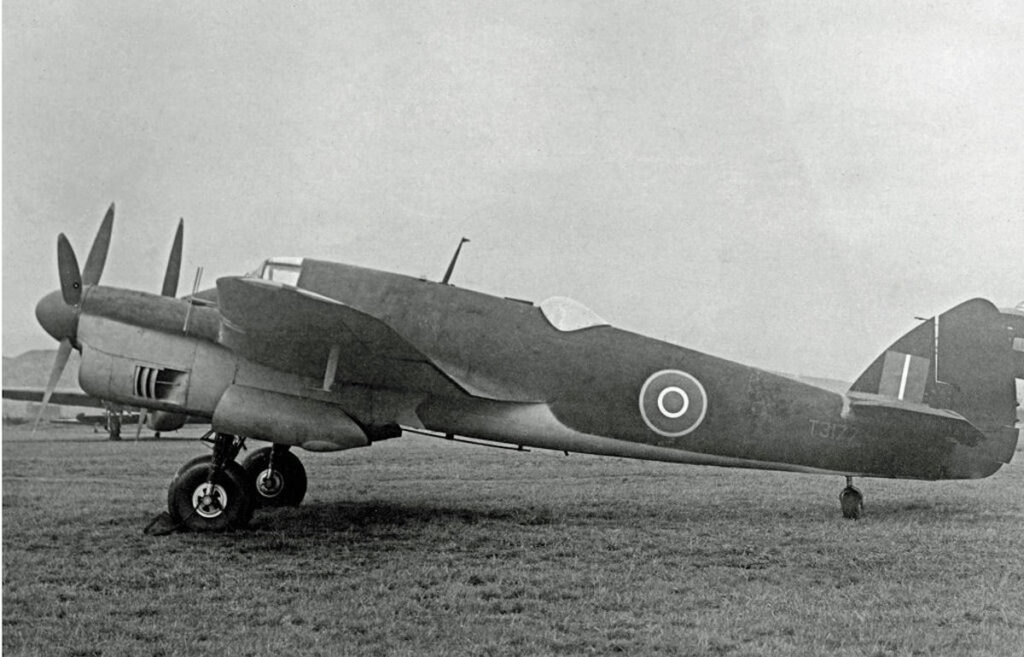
point(569, 315)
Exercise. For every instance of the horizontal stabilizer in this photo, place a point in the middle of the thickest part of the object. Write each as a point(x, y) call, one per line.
point(861, 401)
point(894, 415)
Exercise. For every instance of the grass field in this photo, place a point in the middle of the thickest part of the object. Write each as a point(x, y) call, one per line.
point(422, 547)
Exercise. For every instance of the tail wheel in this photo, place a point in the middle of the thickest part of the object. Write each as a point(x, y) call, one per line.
point(276, 477)
point(199, 504)
point(852, 502)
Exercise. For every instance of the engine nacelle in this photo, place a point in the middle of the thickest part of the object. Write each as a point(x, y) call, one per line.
point(285, 419)
point(177, 374)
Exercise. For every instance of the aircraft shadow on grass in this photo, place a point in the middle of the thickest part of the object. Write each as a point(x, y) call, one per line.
point(331, 517)
point(384, 521)
point(324, 356)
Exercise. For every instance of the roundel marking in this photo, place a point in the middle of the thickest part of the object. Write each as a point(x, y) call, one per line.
point(673, 414)
point(672, 403)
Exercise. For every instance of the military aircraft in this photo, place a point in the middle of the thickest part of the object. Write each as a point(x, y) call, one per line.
point(110, 419)
point(326, 356)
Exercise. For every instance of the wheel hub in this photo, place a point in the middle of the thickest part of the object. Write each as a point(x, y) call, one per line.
point(269, 483)
point(209, 501)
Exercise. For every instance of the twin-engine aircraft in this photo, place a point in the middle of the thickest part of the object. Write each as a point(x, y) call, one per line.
point(326, 356)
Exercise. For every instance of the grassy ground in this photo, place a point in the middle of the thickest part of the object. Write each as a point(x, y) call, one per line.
point(418, 547)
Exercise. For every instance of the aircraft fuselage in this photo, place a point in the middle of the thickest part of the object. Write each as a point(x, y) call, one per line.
point(507, 374)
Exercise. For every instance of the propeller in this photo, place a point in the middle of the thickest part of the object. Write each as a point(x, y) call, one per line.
point(98, 253)
point(63, 353)
point(142, 421)
point(67, 269)
point(58, 313)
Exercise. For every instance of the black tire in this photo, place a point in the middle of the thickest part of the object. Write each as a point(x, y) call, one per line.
point(194, 507)
point(852, 503)
point(285, 486)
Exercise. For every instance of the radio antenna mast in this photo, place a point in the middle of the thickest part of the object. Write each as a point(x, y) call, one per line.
point(451, 265)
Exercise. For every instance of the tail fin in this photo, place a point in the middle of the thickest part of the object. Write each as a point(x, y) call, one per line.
point(963, 361)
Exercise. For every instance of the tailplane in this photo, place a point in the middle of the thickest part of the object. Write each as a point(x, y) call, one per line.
point(963, 361)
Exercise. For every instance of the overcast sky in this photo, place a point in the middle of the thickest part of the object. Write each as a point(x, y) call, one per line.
point(784, 185)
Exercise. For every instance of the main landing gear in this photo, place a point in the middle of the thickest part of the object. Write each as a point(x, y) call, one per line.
point(851, 500)
point(211, 493)
point(214, 493)
point(113, 424)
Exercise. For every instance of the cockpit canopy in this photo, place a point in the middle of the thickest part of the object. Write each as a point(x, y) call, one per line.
point(569, 315)
point(281, 269)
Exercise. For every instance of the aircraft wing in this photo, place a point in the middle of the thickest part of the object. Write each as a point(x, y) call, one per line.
point(295, 330)
point(59, 397)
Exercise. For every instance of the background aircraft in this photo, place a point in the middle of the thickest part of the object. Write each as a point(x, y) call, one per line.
point(327, 356)
point(112, 419)
point(24, 390)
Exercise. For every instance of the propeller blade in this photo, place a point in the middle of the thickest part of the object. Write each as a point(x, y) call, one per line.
point(142, 420)
point(98, 254)
point(170, 288)
point(63, 353)
point(67, 268)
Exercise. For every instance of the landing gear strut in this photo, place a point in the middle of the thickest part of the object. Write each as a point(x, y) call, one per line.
point(851, 500)
point(113, 424)
point(278, 477)
point(212, 493)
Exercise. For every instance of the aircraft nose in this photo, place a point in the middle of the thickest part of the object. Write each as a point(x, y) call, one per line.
point(56, 317)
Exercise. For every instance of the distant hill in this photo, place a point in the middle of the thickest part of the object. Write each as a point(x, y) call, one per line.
point(32, 368)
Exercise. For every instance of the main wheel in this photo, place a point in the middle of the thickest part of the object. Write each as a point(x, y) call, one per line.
point(277, 482)
point(852, 502)
point(203, 506)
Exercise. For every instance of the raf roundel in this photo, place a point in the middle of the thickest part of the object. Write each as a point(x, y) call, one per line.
point(673, 403)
